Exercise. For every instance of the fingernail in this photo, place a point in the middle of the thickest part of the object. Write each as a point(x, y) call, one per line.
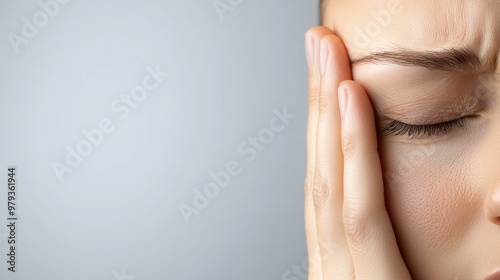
point(309, 49)
point(343, 100)
point(323, 57)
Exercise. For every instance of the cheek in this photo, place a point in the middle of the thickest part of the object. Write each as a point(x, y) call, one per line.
point(430, 199)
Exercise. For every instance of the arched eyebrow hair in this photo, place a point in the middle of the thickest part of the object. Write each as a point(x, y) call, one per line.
point(452, 60)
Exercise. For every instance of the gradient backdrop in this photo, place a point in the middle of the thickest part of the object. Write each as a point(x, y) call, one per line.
point(154, 139)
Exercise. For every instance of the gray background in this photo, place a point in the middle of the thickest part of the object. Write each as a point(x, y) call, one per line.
point(116, 216)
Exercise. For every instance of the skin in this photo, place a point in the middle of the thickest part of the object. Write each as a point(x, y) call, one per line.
point(385, 206)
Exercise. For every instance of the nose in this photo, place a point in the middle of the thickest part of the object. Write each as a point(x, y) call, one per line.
point(492, 205)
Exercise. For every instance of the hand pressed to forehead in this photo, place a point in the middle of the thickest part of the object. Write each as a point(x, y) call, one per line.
point(431, 70)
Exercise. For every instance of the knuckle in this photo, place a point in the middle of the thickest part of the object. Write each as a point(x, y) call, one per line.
point(349, 143)
point(313, 95)
point(355, 224)
point(320, 190)
point(323, 103)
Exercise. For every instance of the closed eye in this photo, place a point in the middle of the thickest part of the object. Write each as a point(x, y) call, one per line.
point(429, 130)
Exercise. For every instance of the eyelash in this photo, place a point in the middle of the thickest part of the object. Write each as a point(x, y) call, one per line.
point(400, 128)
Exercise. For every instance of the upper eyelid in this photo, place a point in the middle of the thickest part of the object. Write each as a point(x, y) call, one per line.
point(468, 101)
point(445, 114)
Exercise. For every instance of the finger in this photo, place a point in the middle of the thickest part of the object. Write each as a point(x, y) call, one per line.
point(368, 229)
point(313, 37)
point(327, 184)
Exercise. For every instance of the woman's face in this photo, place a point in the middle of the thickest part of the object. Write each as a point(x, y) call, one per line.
point(432, 62)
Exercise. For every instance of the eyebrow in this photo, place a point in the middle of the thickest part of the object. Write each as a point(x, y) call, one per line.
point(452, 60)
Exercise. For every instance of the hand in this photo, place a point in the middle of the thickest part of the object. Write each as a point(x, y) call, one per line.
point(349, 233)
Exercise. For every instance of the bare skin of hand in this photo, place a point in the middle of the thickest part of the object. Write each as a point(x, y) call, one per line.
point(349, 232)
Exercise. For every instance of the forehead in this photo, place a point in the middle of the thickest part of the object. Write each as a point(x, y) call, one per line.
point(375, 25)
